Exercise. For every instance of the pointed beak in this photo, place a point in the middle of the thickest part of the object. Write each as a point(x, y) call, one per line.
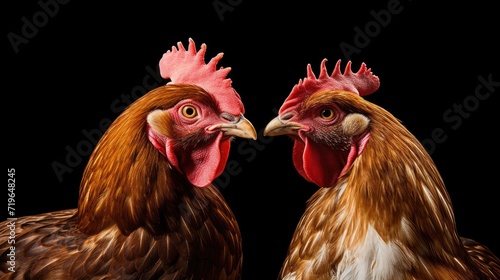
point(279, 127)
point(243, 128)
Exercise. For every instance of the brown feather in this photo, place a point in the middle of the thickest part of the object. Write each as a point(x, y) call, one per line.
point(137, 217)
point(392, 191)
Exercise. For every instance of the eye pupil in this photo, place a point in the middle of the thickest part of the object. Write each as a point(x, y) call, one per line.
point(189, 111)
point(327, 114)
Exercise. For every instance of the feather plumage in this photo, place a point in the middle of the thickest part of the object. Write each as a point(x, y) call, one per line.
point(143, 211)
point(383, 211)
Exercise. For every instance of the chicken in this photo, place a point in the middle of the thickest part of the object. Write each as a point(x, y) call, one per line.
point(147, 208)
point(382, 210)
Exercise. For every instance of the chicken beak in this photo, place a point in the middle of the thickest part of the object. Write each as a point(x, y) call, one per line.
point(243, 128)
point(278, 127)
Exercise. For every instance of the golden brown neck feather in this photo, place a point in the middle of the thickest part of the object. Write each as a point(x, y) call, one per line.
point(127, 181)
point(395, 179)
point(394, 188)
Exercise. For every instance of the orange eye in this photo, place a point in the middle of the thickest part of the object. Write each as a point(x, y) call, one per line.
point(327, 114)
point(189, 111)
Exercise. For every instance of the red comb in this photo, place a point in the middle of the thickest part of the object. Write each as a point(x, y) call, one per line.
point(183, 66)
point(362, 82)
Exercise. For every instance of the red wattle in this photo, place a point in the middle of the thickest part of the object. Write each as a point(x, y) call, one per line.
point(203, 163)
point(317, 163)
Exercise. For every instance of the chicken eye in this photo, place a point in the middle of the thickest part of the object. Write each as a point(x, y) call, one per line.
point(189, 111)
point(326, 114)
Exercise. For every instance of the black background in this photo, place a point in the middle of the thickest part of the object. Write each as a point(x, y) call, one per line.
point(84, 56)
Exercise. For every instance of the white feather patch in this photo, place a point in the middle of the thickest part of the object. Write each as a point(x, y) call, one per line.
point(373, 259)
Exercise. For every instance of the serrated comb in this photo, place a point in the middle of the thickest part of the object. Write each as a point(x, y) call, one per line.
point(183, 66)
point(363, 82)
